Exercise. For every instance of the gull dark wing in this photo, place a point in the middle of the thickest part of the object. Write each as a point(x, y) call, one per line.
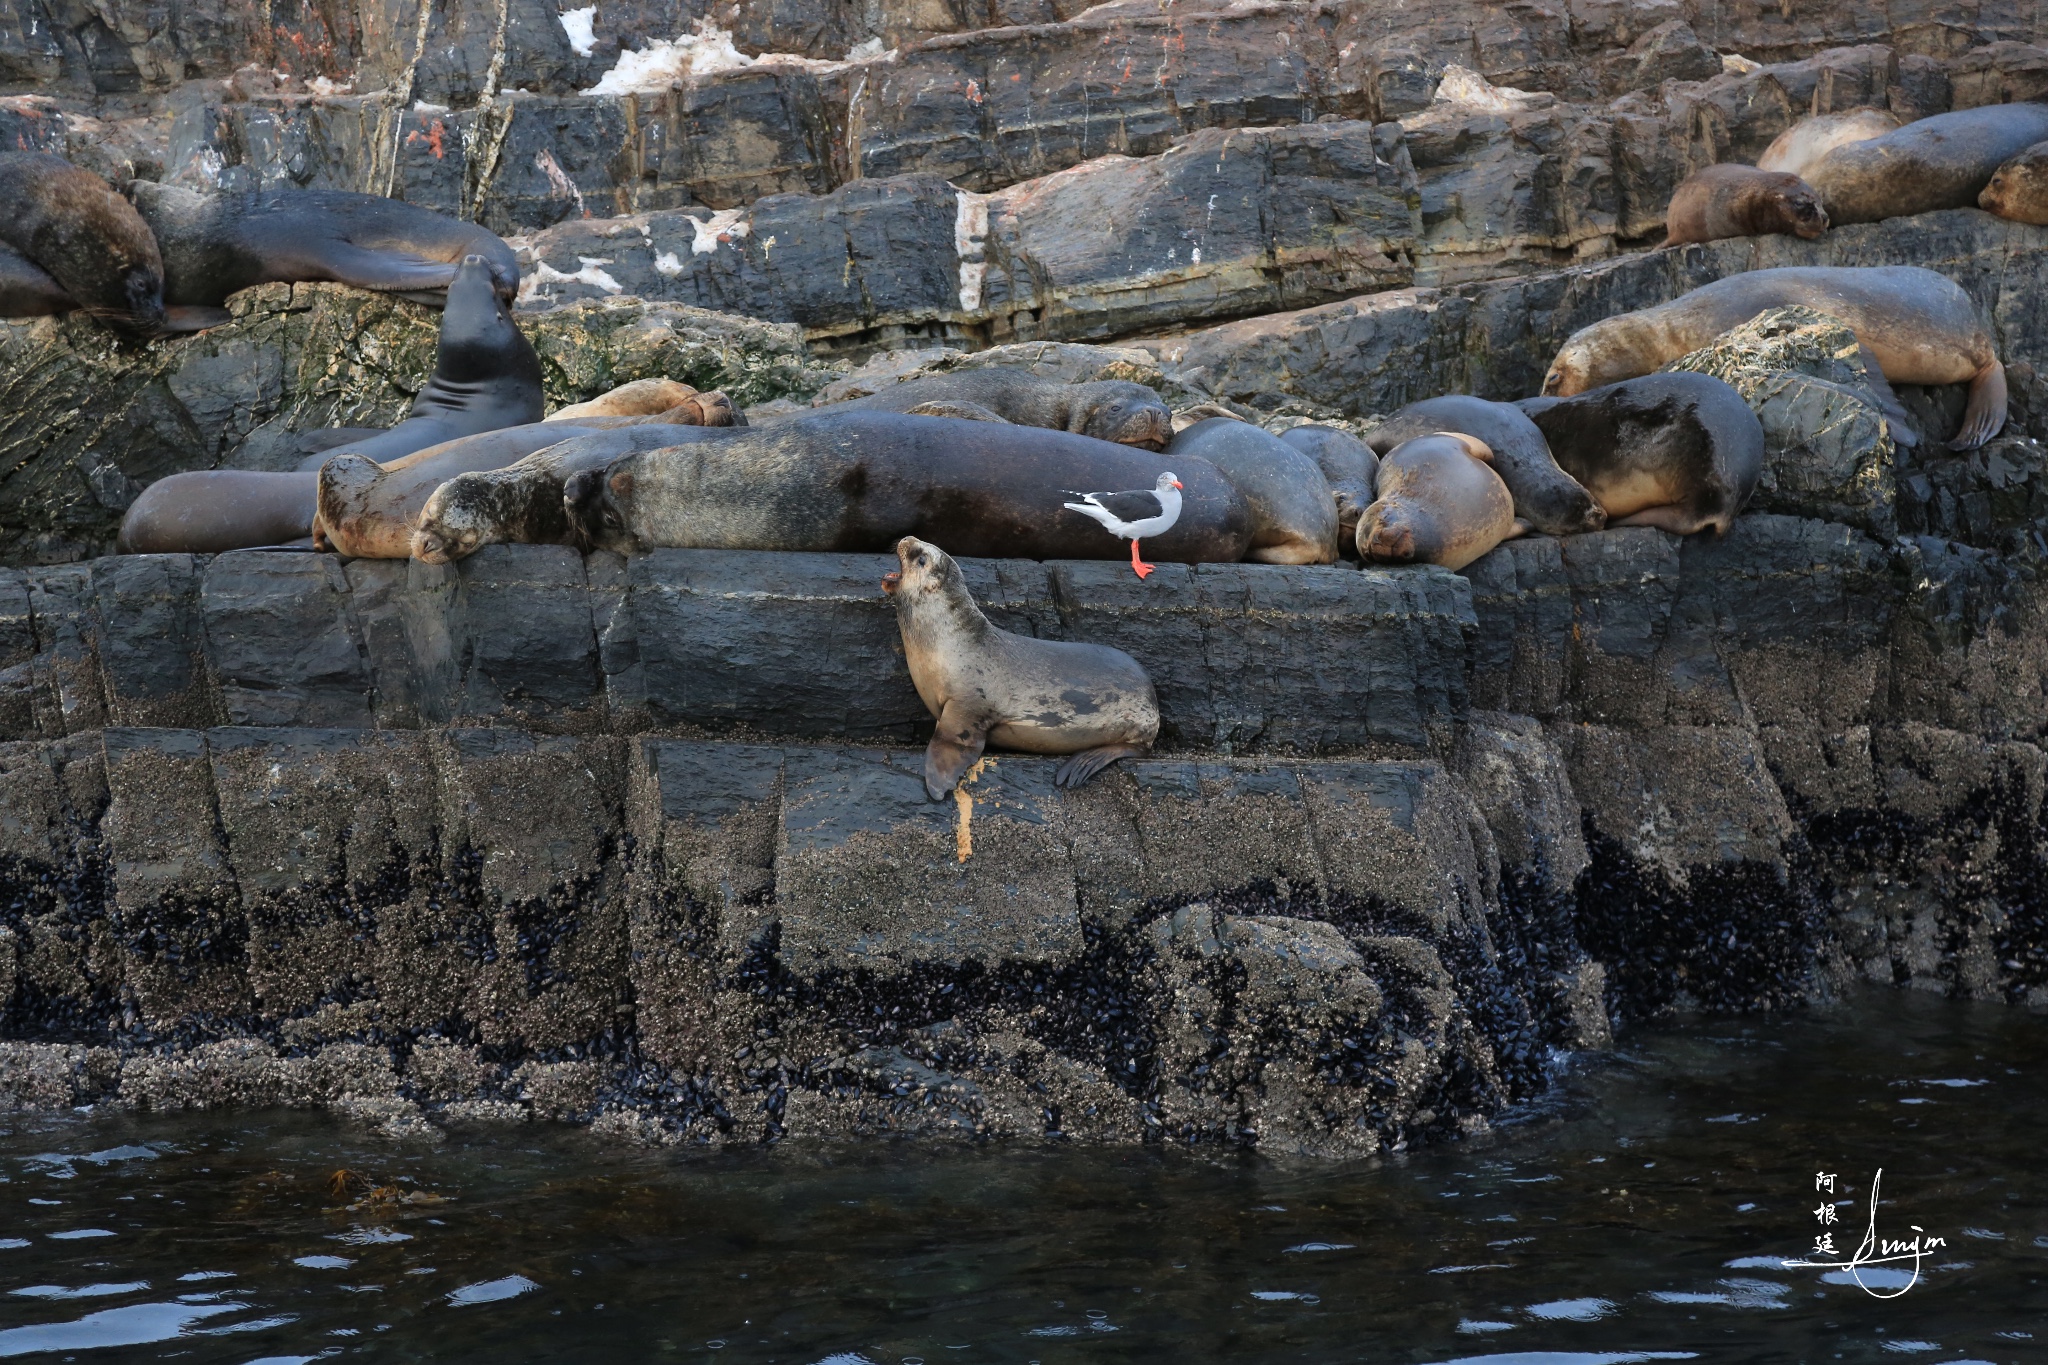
point(1128, 507)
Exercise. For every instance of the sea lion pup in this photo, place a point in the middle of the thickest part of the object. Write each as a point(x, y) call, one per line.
point(1919, 328)
point(856, 481)
point(216, 244)
point(1808, 140)
point(1440, 503)
point(1294, 517)
point(1942, 162)
point(2019, 189)
point(1350, 467)
point(1681, 452)
point(522, 503)
point(1742, 201)
point(1109, 409)
point(1546, 498)
point(986, 686)
point(72, 227)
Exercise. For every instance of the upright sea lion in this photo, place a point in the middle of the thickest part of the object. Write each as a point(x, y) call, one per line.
point(1546, 498)
point(2019, 189)
point(1808, 140)
point(486, 376)
point(1350, 467)
point(1920, 328)
point(216, 244)
point(70, 227)
point(986, 686)
point(1742, 201)
point(1111, 410)
point(1294, 518)
point(1942, 162)
point(522, 503)
point(860, 481)
point(1440, 503)
point(1681, 452)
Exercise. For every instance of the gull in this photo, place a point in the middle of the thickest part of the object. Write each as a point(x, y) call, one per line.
point(1134, 516)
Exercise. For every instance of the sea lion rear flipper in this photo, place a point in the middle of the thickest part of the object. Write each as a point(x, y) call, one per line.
point(1984, 418)
point(955, 745)
point(951, 407)
point(1077, 770)
point(193, 317)
point(388, 271)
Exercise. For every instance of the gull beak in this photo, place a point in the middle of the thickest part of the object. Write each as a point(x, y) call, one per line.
point(1177, 483)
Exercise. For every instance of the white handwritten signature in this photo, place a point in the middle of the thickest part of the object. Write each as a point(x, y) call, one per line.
point(1879, 1251)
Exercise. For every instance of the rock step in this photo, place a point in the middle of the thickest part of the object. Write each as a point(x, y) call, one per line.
point(1245, 658)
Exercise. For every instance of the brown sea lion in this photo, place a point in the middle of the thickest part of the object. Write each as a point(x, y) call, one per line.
point(640, 398)
point(1919, 327)
point(26, 289)
point(986, 686)
point(1808, 140)
point(860, 481)
point(1546, 498)
point(1943, 162)
point(1294, 517)
point(87, 240)
point(1681, 452)
point(1742, 201)
point(216, 244)
point(1110, 410)
point(1440, 503)
point(1350, 467)
point(2019, 189)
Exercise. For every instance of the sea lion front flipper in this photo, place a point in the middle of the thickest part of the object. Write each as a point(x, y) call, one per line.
point(1903, 432)
point(1671, 516)
point(194, 317)
point(955, 745)
point(1076, 771)
point(1984, 418)
point(1518, 529)
point(952, 407)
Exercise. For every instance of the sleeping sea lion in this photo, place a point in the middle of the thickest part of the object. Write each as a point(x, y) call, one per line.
point(1681, 452)
point(1919, 328)
point(1943, 162)
point(2019, 189)
point(1111, 410)
point(1294, 518)
point(1350, 467)
point(1808, 140)
point(216, 244)
point(1742, 201)
point(1546, 498)
point(1440, 503)
point(860, 481)
point(986, 686)
point(68, 227)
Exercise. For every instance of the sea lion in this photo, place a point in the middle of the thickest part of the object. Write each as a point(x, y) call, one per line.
point(1546, 498)
point(1110, 410)
point(1440, 503)
point(521, 503)
point(486, 376)
point(1808, 140)
point(1350, 467)
point(207, 511)
point(1943, 162)
point(1919, 328)
point(216, 244)
point(1681, 452)
point(2019, 189)
point(860, 481)
point(640, 398)
point(986, 686)
point(1294, 517)
point(26, 289)
point(1742, 201)
point(68, 226)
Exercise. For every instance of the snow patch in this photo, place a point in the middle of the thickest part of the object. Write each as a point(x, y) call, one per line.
point(579, 25)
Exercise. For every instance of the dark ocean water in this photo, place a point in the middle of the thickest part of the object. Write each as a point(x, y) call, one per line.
point(1641, 1213)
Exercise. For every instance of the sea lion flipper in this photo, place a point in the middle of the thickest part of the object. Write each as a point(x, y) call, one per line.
point(955, 746)
point(194, 317)
point(388, 271)
point(1076, 771)
point(1984, 418)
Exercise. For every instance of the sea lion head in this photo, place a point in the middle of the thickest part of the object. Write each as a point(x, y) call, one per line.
point(343, 502)
point(1396, 531)
point(1576, 366)
point(1796, 204)
point(1126, 413)
point(2015, 188)
point(923, 572)
point(598, 503)
point(456, 522)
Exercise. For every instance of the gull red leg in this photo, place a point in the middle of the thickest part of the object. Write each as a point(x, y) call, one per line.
point(1138, 566)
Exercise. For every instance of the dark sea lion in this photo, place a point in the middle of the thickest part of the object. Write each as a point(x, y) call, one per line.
point(1111, 410)
point(1943, 162)
point(1919, 328)
point(486, 376)
point(1440, 503)
point(522, 503)
point(860, 481)
point(2019, 189)
point(1546, 498)
point(986, 686)
point(1294, 517)
point(216, 244)
point(1808, 140)
point(1742, 201)
point(87, 240)
point(1681, 452)
point(207, 511)
point(1350, 467)
point(26, 289)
